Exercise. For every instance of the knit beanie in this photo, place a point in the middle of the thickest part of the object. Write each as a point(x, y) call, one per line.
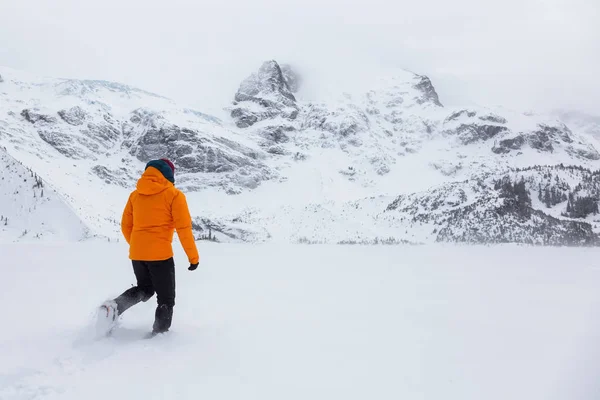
point(165, 166)
point(170, 164)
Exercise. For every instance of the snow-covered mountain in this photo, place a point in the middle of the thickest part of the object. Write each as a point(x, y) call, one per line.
point(31, 211)
point(384, 161)
point(581, 121)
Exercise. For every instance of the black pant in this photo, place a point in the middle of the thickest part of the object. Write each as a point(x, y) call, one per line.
point(152, 277)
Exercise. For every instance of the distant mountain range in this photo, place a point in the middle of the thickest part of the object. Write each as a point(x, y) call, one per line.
point(385, 164)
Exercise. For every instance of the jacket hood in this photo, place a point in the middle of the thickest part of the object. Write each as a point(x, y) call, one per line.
point(152, 182)
point(165, 166)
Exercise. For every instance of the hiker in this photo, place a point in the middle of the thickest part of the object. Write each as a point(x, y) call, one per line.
point(153, 212)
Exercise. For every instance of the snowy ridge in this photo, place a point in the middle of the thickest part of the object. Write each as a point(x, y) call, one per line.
point(30, 210)
point(91, 139)
point(287, 169)
point(551, 205)
point(534, 206)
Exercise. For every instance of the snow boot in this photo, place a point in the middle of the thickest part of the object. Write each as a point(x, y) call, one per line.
point(162, 318)
point(107, 318)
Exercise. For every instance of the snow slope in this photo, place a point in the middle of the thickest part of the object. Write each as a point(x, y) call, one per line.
point(91, 139)
point(31, 210)
point(297, 322)
point(284, 164)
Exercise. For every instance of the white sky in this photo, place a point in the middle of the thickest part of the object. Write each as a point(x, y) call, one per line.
point(528, 54)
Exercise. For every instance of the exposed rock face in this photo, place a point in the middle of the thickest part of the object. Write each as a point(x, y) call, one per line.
point(276, 134)
point(462, 113)
point(195, 152)
point(34, 117)
point(104, 133)
point(586, 152)
point(560, 132)
point(546, 139)
point(493, 118)
point(487, 117)
point(268, 80)
point(469, 127)
point(69, 146)
point(121, 176)
point(90, 140)
point(73, 116)
point(545, 136)
point(541, 140)
point(1, 79)
point(505, 146)
point(428, 91)
point(342, 121)
point(264, 95)
point(476, 132)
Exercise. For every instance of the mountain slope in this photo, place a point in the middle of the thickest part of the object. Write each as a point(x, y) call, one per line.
point(91, 139)
point(30, 210)
point(285, 168)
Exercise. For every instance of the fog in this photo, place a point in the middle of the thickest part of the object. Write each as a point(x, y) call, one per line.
point(525, 54)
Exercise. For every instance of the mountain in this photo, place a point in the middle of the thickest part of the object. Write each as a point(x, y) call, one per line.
point(581, 121)
point(385, 161)
point(90, 140)
point(29, 210)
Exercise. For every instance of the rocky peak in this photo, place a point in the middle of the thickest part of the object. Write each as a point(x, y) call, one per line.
point(264, 95)
point(429, 94)
point(267, 82)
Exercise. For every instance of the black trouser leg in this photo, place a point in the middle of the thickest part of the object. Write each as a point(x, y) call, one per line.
point(142, 292)
point(162, 318)
point(163, 280)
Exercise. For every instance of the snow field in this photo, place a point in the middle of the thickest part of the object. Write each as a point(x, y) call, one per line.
point(298, 322)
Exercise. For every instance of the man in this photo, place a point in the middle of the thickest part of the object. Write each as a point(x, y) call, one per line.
point(153, 211)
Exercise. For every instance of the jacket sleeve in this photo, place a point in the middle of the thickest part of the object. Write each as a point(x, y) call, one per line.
point(183, 225)
point(127, 220)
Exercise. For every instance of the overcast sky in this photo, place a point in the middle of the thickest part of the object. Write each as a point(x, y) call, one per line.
point(526, 54)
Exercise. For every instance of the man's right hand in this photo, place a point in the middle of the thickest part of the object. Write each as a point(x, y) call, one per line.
point(193, 266)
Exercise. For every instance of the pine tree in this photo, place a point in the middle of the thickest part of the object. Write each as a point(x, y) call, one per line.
point(547, 198)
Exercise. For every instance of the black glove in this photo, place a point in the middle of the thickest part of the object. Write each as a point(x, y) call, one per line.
point(193, 266)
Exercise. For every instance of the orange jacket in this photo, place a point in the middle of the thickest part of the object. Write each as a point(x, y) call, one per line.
point(153, 211)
